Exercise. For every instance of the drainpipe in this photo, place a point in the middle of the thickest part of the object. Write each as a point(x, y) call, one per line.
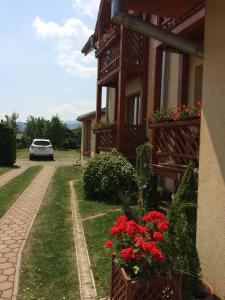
point(169, 38)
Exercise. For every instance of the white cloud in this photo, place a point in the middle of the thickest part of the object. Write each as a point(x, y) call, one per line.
point(68, 38)
point(88, 7)
point(70, 111)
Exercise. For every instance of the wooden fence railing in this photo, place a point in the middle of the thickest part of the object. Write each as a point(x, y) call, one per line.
point(176, 142)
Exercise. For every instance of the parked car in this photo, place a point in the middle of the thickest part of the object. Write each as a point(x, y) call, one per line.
point(41, 148)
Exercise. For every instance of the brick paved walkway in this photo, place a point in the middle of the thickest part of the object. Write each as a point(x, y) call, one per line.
point(5, 178)
point(86, 279)
point(14, 229)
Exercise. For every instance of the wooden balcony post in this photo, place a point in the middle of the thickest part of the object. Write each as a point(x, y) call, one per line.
point(98, 114)
point(157, 54)
point(144, 93)
point(122, 91)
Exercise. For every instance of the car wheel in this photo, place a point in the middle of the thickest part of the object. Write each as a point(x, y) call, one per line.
point(51, 157)
point(31, 157)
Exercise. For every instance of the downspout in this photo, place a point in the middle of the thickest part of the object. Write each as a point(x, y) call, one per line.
point(169, 38)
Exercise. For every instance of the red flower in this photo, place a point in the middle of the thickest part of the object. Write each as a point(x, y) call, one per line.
point(189, 111)
point(139, 241)
point(108, 244)
point(149, 247)
point(159, 257)
point(158, 236)
point(127, 253)
point(164, 226)
point(153, 217)
point(178, 109)
point(132, 228)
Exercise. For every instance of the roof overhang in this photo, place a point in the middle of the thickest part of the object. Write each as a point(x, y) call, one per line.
point(163, 8)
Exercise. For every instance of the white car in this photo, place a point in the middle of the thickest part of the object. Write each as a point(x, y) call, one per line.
point(41, 148)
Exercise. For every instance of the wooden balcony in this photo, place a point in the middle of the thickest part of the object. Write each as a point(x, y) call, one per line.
point(133, 137)
point(175, 144)
point(107, 138)
point(109, 54)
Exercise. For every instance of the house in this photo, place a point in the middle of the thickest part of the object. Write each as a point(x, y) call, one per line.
point(88, 137)
point(156, 55)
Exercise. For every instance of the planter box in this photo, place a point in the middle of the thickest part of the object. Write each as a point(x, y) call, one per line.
point(160, 288)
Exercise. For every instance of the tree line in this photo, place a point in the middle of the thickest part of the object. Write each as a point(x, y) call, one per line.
point(40, 128)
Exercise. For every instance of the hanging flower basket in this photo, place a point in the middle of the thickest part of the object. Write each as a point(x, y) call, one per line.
point(159, 288)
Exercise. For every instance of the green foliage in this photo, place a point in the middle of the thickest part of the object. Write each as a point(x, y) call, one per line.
point(7, 144)
point(12, 119)
point(182, 217)
point(39, 128)
point(107, 176)
point(143, 162)
point(149, 193)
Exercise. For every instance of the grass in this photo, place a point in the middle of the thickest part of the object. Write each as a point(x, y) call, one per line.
point(3, 170)
point(90, 208)
point(51, 273)
point(69, 155)
point(13, 189)
point(97, 232)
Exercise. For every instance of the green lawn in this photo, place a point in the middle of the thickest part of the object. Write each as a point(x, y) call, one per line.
point(48, 268)
point(97, 232)
point(13, 189)
point(3, 170)
point(69, 155)
point(89, 207)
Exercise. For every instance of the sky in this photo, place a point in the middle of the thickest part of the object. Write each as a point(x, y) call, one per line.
point(42, 71)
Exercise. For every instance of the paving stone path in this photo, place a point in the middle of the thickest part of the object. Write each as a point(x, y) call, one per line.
point(14, 230)
point(86, 279)
point(5, 178)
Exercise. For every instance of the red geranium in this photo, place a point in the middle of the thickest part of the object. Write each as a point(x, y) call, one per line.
point(139, 246)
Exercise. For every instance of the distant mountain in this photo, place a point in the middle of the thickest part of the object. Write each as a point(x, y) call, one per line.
point(72, 124)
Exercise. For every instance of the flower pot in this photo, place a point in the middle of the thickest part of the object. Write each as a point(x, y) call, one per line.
point(210, 295)
point(158, 288)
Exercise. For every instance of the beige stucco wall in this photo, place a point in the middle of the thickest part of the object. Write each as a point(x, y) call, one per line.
point(211, 200)
point(172, 86)
point(193, 62)
point(133, 85)
point(111, 104)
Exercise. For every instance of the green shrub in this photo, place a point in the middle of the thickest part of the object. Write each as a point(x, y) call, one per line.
point(108, 176)
point(7, 145)
point(182, 217)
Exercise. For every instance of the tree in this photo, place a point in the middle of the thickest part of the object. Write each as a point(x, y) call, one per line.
point(12, 119)
point(7, 144)
point(182, 217)
point(56, 132)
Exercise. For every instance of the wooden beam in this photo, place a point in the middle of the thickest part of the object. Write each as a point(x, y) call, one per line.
point(98, 114)
point(122, 91)
point(163, 8)
point(156, 90)
point(144, 90)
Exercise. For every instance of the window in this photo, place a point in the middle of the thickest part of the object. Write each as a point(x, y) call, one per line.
point(133, 110)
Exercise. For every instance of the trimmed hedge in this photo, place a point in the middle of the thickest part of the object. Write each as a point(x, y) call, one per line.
point(7, 144)
point(109, 176)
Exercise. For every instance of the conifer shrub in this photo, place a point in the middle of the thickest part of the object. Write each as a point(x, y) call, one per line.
point(7, 144)
point(182, 214)
point(107, 176)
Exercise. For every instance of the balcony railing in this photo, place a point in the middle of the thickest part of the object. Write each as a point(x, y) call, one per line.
point(107, 138)
point(133, 137)
point(176, 143)
point(109, 53)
